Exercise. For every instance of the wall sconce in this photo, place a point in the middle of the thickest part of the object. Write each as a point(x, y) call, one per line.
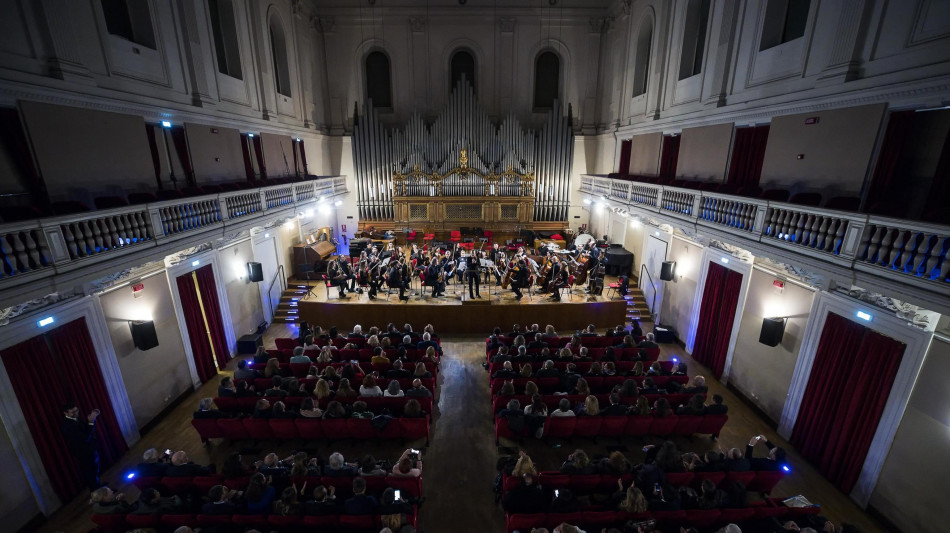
point(773, 328)
point(144, 336)
point(668, 270)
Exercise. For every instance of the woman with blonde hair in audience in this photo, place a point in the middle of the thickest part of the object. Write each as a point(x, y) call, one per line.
point(370, 388)
point(272, 369)
point(590, 407)
point(321, 390)
point(507, 389)
point(530, 389)
point(524, 465)
point(519, 341)
point(309, 409)
point(634, 501)
point(343, 390)
point(526, 370)
point(372, 342)
point(430, 354)
point(421, 372)
point(549, 332)
point(326, 355)
point(565, 354)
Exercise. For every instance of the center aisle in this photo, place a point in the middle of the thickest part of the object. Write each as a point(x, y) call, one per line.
point(460, 463)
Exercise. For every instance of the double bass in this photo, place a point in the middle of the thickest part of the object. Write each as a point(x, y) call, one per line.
point(582, 269)
point(509, 274)
point(545, 272)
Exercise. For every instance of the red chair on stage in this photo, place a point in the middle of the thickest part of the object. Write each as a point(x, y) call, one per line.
point(411, 236)
point(456, 236)
point(429, 237)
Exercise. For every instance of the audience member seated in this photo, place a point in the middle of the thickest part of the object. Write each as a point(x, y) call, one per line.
point(563, 408)
point(153, 464)
point(716, 407)
point(298, 357)
point(105, 501)
point(360, 503)
point(259, 494)
point(775, 459)
point(222, 501)
point(615, 408)
point(181, 466)
point(227, 388)
point(527, 497)
point(243, 372)
point(369, 387)
point(648, 342)
point(409, 464)
point(151, 502)
point(337, 467)
point(578, 463)
point(324, 502)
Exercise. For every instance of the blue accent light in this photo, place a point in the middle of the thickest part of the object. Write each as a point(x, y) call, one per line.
point(786, 468)
point(130, 475)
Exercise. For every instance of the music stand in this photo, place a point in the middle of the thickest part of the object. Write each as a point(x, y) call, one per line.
point(306, 270)
point(487, 265)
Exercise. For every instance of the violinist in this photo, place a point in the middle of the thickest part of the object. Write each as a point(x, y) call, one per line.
point(433, 277)
point(396, 280)
point(362, 272)
point(341, 275)
point(557, 279)
point(499, 258)
point(520, 278)
point(375, 276)
point(472, 271)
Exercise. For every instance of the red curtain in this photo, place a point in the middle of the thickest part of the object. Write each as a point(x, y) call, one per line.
point(48, 371)
point(198, 336)
point(669, 154)
point(748, 153)
point(899, 126)
point(36, 383)
point(716, 317)
point(77, 356)
point(209, 297)
point(625, 147)
point(850, 381)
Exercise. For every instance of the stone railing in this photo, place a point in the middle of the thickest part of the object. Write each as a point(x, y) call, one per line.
point(863, 242)
point(45, 246)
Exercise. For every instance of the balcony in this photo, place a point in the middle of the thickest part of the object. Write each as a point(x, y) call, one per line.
point(52, 254)
point(901, 258)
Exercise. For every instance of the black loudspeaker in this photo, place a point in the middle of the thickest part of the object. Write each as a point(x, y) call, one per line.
point(255, 272)
point(772, 331)
point(666, 273)
point(143, 334)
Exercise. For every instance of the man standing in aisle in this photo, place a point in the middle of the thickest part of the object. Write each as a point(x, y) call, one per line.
point(80, 436)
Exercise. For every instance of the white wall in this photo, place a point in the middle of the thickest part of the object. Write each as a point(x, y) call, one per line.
point(762, 373)
point(678, 295)
point(17, 505)
point(244, 297)
point(139, 368)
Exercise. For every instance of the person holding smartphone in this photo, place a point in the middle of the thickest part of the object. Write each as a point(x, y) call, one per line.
point(393, 509)
point(80, 437)
point(409, 464)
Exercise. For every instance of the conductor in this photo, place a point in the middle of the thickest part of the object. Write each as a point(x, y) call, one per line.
point(80, 437)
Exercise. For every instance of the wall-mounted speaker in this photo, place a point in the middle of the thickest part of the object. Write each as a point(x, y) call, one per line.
point(255, 272)
point(143, 334)
point(772, 331)
point(666, 272)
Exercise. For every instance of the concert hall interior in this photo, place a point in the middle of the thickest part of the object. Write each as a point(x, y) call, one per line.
point(206, 203)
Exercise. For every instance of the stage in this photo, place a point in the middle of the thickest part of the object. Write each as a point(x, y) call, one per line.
point(456, 313)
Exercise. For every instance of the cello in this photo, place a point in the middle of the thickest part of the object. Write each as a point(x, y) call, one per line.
point(582, 269)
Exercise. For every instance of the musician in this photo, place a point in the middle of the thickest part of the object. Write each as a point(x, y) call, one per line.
point(597, 270)
point(557, 279)
point(499, 257)
point(375, 277)
point(397, 280)
point(433, 277)
point(472, 271)
point(519, 279)
point(341, 275)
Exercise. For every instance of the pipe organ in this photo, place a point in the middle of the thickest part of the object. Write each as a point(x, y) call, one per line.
point(462, 160)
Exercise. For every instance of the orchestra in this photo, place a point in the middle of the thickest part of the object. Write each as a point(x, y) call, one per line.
point(437, 266)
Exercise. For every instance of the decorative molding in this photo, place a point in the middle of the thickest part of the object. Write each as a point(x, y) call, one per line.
point(98, 285)
point(417, 24)
point(507, 24)
point(9, 313)
point(625, 6)
point(735, 251)
point(798, 273)
point(918, 317)
point(325, 24)
point(178, 257)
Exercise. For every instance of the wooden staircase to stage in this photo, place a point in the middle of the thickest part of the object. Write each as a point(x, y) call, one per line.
point(286, 312)
point(637, 307)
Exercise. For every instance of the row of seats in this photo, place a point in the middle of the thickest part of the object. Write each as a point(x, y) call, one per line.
point(665, 520)
point(375, 404)
point(410, 486)
point(620, 354)
point(617, 426)
point(755, 481)
point(221, 523)
point(584, 366)
point(262, 384)
point(597, 384)
point(599, 341)
point(300, 370)
point(309, 429)
point(287, 343)
point(341, 355)
point(552, 400)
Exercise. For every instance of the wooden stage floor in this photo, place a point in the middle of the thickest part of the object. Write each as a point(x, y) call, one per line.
point(455, 312)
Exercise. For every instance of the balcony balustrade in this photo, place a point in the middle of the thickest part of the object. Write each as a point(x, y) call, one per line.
point(915, 251)
point(44, 247)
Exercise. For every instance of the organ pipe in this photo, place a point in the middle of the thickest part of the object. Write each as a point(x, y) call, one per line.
point(379, 152)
